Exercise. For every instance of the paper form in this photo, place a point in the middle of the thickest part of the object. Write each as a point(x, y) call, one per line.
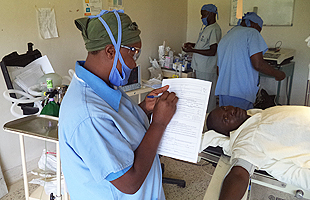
point(182, 137)
point(47, 23)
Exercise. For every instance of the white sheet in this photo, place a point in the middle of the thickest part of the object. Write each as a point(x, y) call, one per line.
point(214, 139)
point(287, 164)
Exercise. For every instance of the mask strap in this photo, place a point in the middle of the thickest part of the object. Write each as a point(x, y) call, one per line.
point(247, 22)
point(217, 14)
point(117, 44)
point(119, 38)
point(207, 16)
point(102, 12)
point(239, 22)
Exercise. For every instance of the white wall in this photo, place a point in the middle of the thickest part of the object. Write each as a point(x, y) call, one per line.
point(158, 20)
point(18, 26)
point(291, 37)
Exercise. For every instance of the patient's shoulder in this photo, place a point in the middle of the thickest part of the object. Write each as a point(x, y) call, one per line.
point(254, 111)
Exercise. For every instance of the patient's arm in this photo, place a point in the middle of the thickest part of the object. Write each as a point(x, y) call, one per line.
point(235, 184)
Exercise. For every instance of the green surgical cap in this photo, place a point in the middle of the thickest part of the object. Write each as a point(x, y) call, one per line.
point(96, 37)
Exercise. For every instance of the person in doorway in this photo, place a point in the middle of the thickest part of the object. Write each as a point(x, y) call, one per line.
point(240, 60)
point(107, 144)
point(204, 51)
point(264, 140)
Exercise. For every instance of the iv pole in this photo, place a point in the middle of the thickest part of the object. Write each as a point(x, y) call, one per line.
point(307, 90)
point(308, 81)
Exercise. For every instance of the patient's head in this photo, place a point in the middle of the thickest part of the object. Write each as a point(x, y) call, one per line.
point(225, 119)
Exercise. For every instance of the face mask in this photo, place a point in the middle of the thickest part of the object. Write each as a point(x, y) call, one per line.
point(115, 77)
point(204, 20)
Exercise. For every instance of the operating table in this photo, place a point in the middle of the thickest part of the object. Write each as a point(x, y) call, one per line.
point(216, 156)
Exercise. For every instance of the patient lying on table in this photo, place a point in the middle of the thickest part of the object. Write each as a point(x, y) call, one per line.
point(276, 140)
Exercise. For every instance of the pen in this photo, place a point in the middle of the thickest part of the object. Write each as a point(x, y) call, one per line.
point(152, 96)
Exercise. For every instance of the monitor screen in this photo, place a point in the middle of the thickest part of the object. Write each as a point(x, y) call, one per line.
point(134, 81)
point(134, 76)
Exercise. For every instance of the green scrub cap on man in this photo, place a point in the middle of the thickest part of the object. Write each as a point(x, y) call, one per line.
point(96, 37)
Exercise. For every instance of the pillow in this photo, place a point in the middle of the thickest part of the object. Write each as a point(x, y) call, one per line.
point(214, 139)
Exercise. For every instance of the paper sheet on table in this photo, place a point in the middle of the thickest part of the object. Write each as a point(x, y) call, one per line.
point(28, 76)
point(47, 23)
point(182, 137)
point(43, 63)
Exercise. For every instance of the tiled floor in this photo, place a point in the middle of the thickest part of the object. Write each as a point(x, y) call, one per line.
point(197, 177)
point(17, 192)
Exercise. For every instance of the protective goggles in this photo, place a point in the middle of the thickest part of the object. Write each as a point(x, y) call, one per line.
point(136, 50)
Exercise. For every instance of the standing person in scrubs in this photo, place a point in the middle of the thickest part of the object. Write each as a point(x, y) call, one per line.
point(107, 144)
point(204, 60)
point(240, 59)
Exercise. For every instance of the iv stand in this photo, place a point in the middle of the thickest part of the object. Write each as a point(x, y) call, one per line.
point(308, 89)
point(308, 81)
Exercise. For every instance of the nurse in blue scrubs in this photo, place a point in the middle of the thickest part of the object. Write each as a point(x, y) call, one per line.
point(107, 144)
point(240, 59)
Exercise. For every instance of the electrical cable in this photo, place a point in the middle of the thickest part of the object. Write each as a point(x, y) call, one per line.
point(30, 99)
point(277, 48)
point(205, 164)
point(14, 105)
point(26, 98)
point(71, 73)
point(33, 92)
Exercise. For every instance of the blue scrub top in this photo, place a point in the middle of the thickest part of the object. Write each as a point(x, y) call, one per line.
point(99, 130)
point(237, 76)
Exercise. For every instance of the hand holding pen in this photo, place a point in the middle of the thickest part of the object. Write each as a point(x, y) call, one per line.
point(152, 96)
point(157, 92)
point(149, 102)
point(164, 109)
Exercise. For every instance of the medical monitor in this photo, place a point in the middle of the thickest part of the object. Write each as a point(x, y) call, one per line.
point(134, 81)
point(279, 56)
